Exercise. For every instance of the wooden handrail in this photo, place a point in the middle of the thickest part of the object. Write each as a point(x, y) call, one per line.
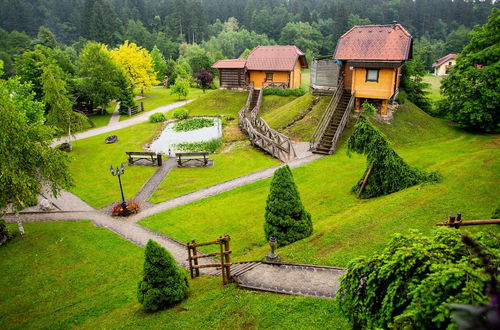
point(327, 116)
point(343, 122)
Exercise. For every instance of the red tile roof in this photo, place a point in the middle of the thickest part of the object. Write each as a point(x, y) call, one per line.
point(238, 63)
point(374, 43)
point(444, 59)
point(275, 58)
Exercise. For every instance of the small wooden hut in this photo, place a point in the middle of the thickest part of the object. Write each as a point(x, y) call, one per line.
point(231, 73)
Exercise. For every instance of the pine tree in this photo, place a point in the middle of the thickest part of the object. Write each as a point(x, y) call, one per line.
point(286, 218)
point(163, 283)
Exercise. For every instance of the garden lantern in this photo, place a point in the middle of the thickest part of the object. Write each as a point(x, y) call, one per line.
point(119, 171)
point(272, 256)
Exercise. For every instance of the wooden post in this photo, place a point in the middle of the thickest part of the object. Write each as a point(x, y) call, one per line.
point(190, 260)
point(197, 271)
point(358, 103)
point(383, 108)
point(129, 111)
point(222, 268)
point(227, 257)
point(159, 160)
point(365, 180)
point(142, 106)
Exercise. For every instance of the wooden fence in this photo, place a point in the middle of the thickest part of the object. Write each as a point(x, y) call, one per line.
point(225, 262)
point(263, 136)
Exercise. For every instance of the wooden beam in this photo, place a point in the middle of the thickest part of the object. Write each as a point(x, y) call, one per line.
point(208, 266)
point(365, 179)
point(470, 223)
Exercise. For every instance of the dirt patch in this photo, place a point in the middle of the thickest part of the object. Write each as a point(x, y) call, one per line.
point(233, 133)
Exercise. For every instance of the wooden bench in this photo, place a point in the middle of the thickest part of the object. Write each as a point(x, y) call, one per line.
point(134, 156)
point(184, 157)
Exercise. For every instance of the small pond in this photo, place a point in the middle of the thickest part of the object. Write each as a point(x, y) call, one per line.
point(169, 138)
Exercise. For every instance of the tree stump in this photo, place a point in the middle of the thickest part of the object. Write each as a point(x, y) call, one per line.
point(111, 139)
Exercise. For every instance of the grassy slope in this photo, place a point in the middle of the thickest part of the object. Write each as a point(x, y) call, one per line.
point(280, 117)
point(92, 158)
point(241, 160)
point(272, 102)
point(218, 102)
point(63, 275)
point(345, 227)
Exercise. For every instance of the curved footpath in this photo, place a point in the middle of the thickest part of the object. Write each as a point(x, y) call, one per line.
point(116, 125)
point(306, 280)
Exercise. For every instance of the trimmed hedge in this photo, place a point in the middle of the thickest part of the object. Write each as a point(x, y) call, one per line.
point(285, 92)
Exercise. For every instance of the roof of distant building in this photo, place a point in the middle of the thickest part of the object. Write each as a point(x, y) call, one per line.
point(238, 63)
point(444, 59)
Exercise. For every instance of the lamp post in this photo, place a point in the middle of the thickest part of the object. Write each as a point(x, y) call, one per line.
point(272, 256)
point(118, 171)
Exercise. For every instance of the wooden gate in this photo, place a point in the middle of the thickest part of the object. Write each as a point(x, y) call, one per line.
point(225, 262)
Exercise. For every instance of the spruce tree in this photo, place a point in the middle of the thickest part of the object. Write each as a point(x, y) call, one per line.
point(286, 218)
point(164, 283)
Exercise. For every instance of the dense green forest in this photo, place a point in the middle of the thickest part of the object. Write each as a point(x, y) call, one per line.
point(225, 28)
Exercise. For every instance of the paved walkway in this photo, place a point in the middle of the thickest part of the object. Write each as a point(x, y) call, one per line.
point(155, 180)
point(121, 124)
point(218, 188)
point(115, 116)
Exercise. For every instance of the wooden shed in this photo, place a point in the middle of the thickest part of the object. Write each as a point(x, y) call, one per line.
point(231, 73)
point(372, 56)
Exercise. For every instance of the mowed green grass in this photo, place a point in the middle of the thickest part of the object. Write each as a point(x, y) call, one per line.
point(91, 159)
point(345, 227)
point(75, 275)
point(242, 159)
point(157, 97)
point(435, 84)
point(218, 102)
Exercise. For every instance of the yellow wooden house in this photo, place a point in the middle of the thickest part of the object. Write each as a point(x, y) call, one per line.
point(372, 57)
point(265, 67)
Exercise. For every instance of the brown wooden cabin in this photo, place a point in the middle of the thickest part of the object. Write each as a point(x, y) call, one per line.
point(372, 56)
point(265, 67)
point(231, 73)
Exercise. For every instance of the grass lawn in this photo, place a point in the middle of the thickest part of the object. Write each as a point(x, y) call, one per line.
point(306, 79)
point(242, 159)
point(272, 102)
point(345, 227)
point(218, 102)
point(435, 84)
point(68, 275)
point(92, 158)
point(157, 97)
point(101, 120)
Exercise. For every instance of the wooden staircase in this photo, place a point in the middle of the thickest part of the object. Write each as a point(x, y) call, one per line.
point(255, 98)
point(327, 140)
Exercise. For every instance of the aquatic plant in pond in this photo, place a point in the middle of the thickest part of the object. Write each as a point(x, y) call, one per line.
point(172, 141)
point(193, 124)
point(208, 146)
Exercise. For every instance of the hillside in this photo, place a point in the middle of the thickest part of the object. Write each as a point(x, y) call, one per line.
point(345, 227)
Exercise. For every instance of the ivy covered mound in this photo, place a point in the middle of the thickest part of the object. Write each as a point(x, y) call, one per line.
point(410, 284)
point(286, 218)
point(163, 283)
point(387, 171)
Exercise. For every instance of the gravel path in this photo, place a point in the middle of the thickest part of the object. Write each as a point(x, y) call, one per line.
point(218, 188)
point(155, 180)
point(115, 116)
point(121, 124)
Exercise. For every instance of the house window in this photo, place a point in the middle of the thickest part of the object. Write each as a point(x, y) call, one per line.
point(269, 76)
point(372, 75)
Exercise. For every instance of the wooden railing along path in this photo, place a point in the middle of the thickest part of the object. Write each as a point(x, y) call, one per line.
point(261, 135)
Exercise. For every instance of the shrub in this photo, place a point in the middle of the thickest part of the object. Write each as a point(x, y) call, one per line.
point(5, 235)
point(180, 113)
point(163, 283)
point(285, 92)
point(496, 213)
point(157, 117)
point(411, 282)
point(193, 124)
point(181, 88)
point(206, 146)
point(389, 172)
point(131, 208)
point(286, 218)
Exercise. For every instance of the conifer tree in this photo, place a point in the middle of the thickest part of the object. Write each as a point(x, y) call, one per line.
point(163, 283)
point(386, 171)
point(286, 218)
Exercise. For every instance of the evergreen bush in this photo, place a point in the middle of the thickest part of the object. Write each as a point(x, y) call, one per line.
point(286, 218)
point(180, 113)
point(163, 283)
point(157, 117)
point(389, 171)
point(5, 235)
point(285, 92)
point(413, 280)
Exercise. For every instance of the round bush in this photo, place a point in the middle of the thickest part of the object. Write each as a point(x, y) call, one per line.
point(157, 117)
point(164, 283)
point(180, 113)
